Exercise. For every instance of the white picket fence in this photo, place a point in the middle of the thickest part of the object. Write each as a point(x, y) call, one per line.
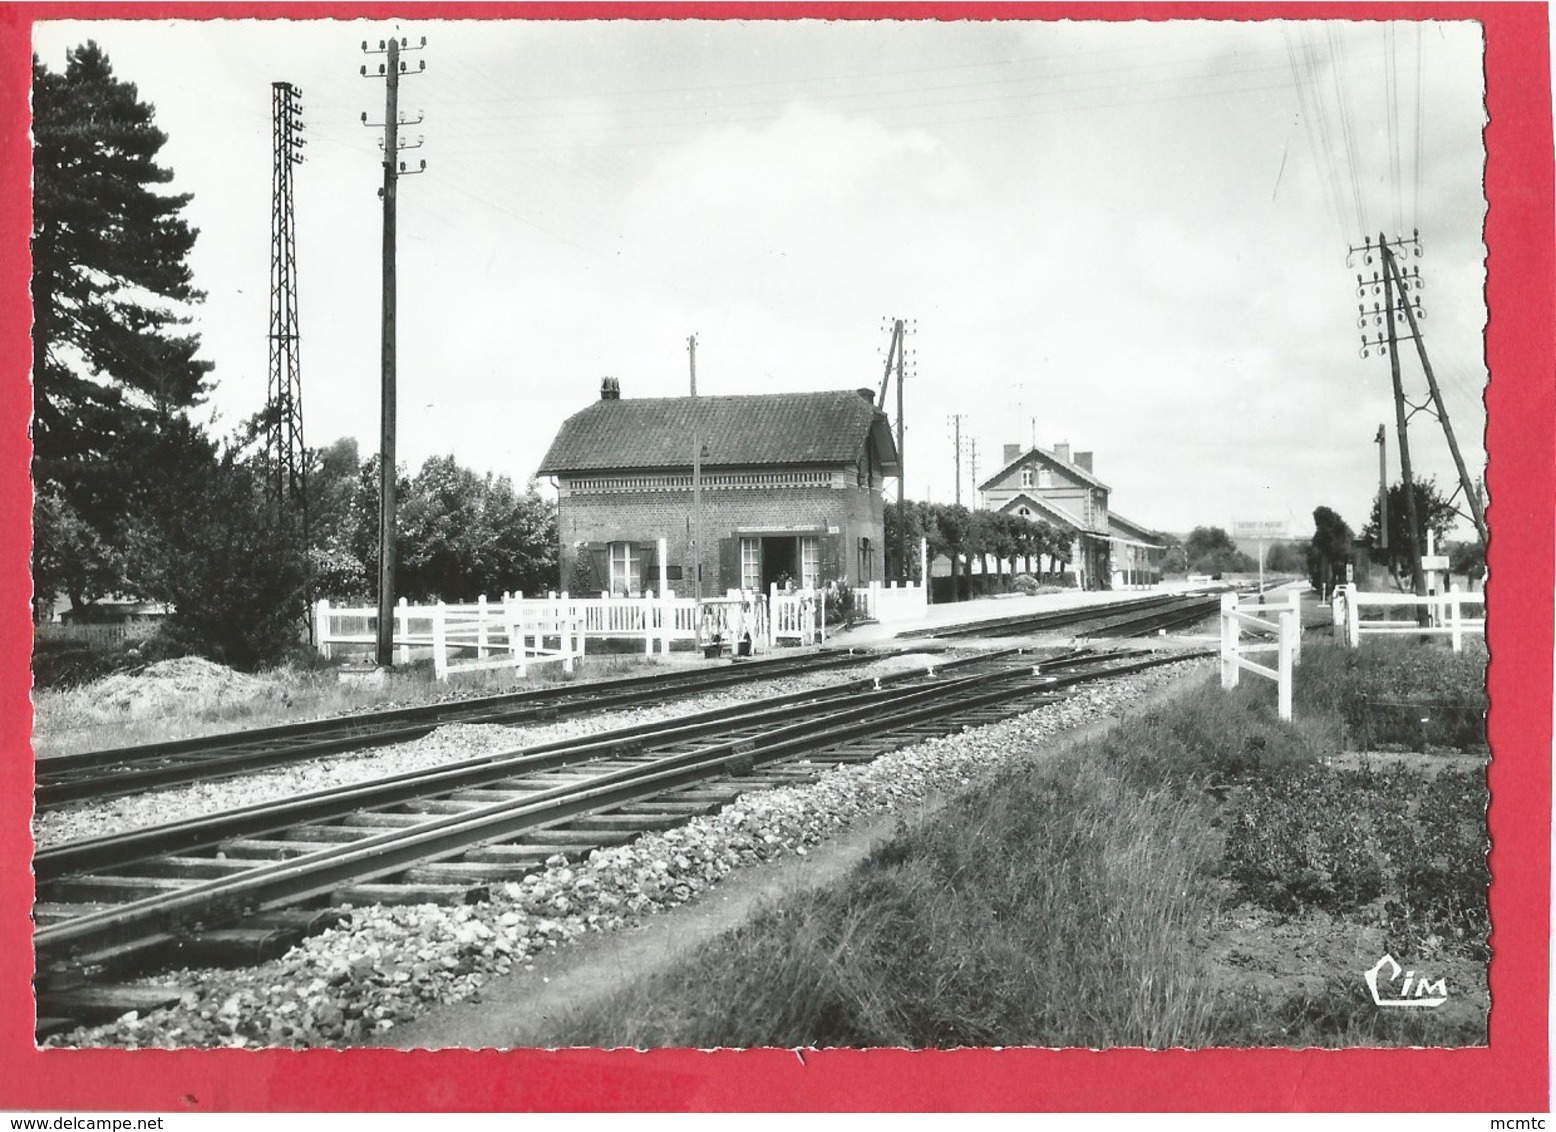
point(797, 617)
point(890, 602)
point(1445, 615)
point(1287, 628)
point(513, 632)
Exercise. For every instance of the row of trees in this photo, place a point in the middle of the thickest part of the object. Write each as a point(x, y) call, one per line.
point(1332, 545)
point(132, 498)
point(962, 534)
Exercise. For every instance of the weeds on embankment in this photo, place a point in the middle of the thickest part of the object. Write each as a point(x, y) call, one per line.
point(125, 709)
point(1202, 874)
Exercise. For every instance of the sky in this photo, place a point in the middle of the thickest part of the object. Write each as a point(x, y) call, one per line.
point(1129, 237)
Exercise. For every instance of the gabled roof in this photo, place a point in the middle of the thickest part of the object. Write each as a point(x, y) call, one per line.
point(1066, 466)
point(1134, 530)
point(1052, 512)
point(755, 429)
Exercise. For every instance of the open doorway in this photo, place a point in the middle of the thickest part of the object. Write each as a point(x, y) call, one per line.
point(780, 561)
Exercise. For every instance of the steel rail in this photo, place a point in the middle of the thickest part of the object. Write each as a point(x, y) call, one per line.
point(59, 776)
point(111, 850)
point(1042, 619)
point(288, 882)
point(301, 879)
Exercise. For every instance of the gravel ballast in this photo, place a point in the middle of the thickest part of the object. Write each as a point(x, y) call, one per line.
point(445, 745)
point(386, 965)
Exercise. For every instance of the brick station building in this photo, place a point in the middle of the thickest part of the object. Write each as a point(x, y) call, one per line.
point(791, 491)
point(1107, 550)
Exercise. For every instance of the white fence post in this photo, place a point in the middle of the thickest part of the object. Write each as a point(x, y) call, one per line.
point(440, 641)
point(321, 626)
point(1352, 616)
point(402, 631)
point(480, 627)
point(1296, 611)
point(1455, 618)
point(1290, 636)
point(1231, 630)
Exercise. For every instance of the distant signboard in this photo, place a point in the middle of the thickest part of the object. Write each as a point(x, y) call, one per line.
point(1434, 562)
point(1259, 528)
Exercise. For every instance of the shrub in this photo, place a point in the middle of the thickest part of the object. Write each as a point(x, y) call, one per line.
point(1024, 584)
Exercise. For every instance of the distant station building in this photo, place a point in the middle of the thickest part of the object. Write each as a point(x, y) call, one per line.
point(791, 491)
point(1051, 486)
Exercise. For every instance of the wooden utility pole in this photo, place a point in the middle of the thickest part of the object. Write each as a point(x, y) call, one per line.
point(894, 354)
point(1476, 511)
point(691, 346)
point(1417, 545)
point(902, 506)
point(956, 425)
point(391, 71)
point(1381, 440)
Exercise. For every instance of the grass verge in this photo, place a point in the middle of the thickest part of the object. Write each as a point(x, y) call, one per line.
point(1200, 875)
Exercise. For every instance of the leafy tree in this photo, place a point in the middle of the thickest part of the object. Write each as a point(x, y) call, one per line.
point(110, 289)
point(224, 559)
point(69, 555)
point(464, 535)
point(1435, 513)
point(1467, 558)
point(1210, 550)
point(1205, 541)
point(1329, 550)
point(1285, 558)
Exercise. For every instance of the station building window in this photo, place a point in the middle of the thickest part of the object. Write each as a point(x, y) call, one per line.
point(626, 567)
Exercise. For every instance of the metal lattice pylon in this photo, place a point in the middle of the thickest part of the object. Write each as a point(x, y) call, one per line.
point(287, 484)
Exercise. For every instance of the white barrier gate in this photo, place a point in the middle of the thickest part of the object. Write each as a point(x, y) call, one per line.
point(1287, 645)
point(1445, 615)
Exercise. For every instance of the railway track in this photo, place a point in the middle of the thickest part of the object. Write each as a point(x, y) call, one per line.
point(66, 779)
point(1123, 618)
point(243, 885)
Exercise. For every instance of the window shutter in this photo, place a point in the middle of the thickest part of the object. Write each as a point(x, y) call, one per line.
point(599, 558)
point(833, 568)
point(650, 569)
point(729, 564)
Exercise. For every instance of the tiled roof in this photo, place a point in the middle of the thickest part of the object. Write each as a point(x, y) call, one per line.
point(1132, 529)
point(1068, 467)
point(755, 429)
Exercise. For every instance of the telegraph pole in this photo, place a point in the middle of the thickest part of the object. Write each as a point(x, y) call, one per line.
point(1418, 547)
point(973, 460)
point(894, 354)
point(1465, 482)
point(956, 425)
point(691, 347)
point(902, 478)
point(394, 168)
point(1381, 440)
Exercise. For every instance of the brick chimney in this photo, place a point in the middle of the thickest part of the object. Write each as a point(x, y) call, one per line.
point(1083, 460)
point(1062, 451)
point(1011, 452)
point(868, 395)
point(610, 389)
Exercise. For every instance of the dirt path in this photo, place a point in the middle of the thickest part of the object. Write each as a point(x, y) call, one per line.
point(521, 1009)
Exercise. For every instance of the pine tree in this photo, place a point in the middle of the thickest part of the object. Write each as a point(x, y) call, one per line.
point(110, 288)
